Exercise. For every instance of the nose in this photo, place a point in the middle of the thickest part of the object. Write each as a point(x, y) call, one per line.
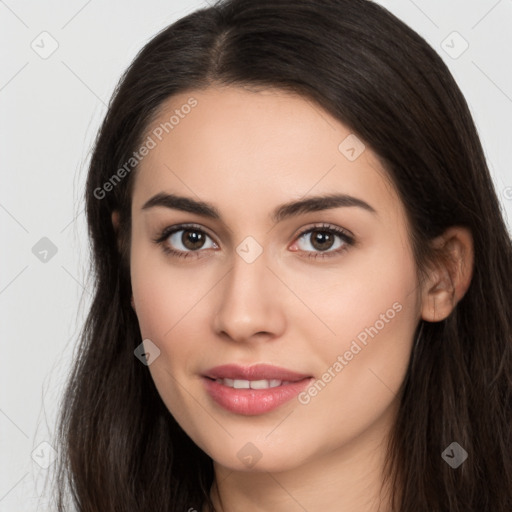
point(250, 303)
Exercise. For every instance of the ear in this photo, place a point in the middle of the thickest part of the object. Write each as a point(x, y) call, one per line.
point(115, 224)
point(451, 276)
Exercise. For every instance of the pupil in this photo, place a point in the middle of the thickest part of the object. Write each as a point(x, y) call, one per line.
point(192, 239)
point(323, 240)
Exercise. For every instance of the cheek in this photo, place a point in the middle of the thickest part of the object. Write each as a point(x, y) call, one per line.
point(361, 379)
point(164, 293)
point(170, 305)
point(369, 310)
point(346, 298)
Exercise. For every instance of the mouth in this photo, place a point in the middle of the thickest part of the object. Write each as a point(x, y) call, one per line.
point(253, 390)
point(252, 384)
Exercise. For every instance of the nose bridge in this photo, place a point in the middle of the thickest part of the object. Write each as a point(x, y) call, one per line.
point(247, 278)
point(248, 302)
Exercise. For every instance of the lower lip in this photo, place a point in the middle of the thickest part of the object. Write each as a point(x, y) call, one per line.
point(251, 402)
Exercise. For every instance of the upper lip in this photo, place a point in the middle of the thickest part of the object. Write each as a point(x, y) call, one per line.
point(254, 372)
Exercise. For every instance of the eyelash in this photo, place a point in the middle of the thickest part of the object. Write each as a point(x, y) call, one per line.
point(324, 228)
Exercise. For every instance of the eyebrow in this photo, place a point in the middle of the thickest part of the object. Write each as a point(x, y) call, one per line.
point(280, 213)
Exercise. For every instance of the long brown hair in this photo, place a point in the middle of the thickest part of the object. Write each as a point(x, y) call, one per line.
point(121, 449)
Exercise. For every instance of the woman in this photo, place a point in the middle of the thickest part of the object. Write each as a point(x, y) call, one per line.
point(303, 296)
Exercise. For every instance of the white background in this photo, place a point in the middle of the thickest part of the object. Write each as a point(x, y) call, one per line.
point(50, 110)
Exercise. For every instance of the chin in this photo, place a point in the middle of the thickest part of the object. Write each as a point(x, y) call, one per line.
point(255, 454)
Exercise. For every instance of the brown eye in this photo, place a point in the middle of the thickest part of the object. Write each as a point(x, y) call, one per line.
point(184, 241)
point(192, 239)
point(187, 239)
point(322, 240)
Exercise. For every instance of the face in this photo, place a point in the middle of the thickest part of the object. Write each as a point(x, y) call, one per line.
point(323, 294)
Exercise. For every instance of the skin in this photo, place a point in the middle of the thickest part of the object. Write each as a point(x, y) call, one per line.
point(246, 152)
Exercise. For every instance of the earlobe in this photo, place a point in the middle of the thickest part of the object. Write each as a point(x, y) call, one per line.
point(450, 279)
point(115, 220)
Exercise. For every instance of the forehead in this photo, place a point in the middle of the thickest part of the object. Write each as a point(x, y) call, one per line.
point(227, 142)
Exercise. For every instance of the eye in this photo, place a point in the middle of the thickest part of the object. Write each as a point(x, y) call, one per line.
point(184, 240)
point(322, 238)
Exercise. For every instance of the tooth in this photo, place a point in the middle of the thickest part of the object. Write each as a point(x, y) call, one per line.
point(241, 384)
point(259, 384)
point(251, 384)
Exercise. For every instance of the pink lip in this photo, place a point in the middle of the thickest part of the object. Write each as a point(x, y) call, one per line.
point(254, 372)
point(251, 402)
